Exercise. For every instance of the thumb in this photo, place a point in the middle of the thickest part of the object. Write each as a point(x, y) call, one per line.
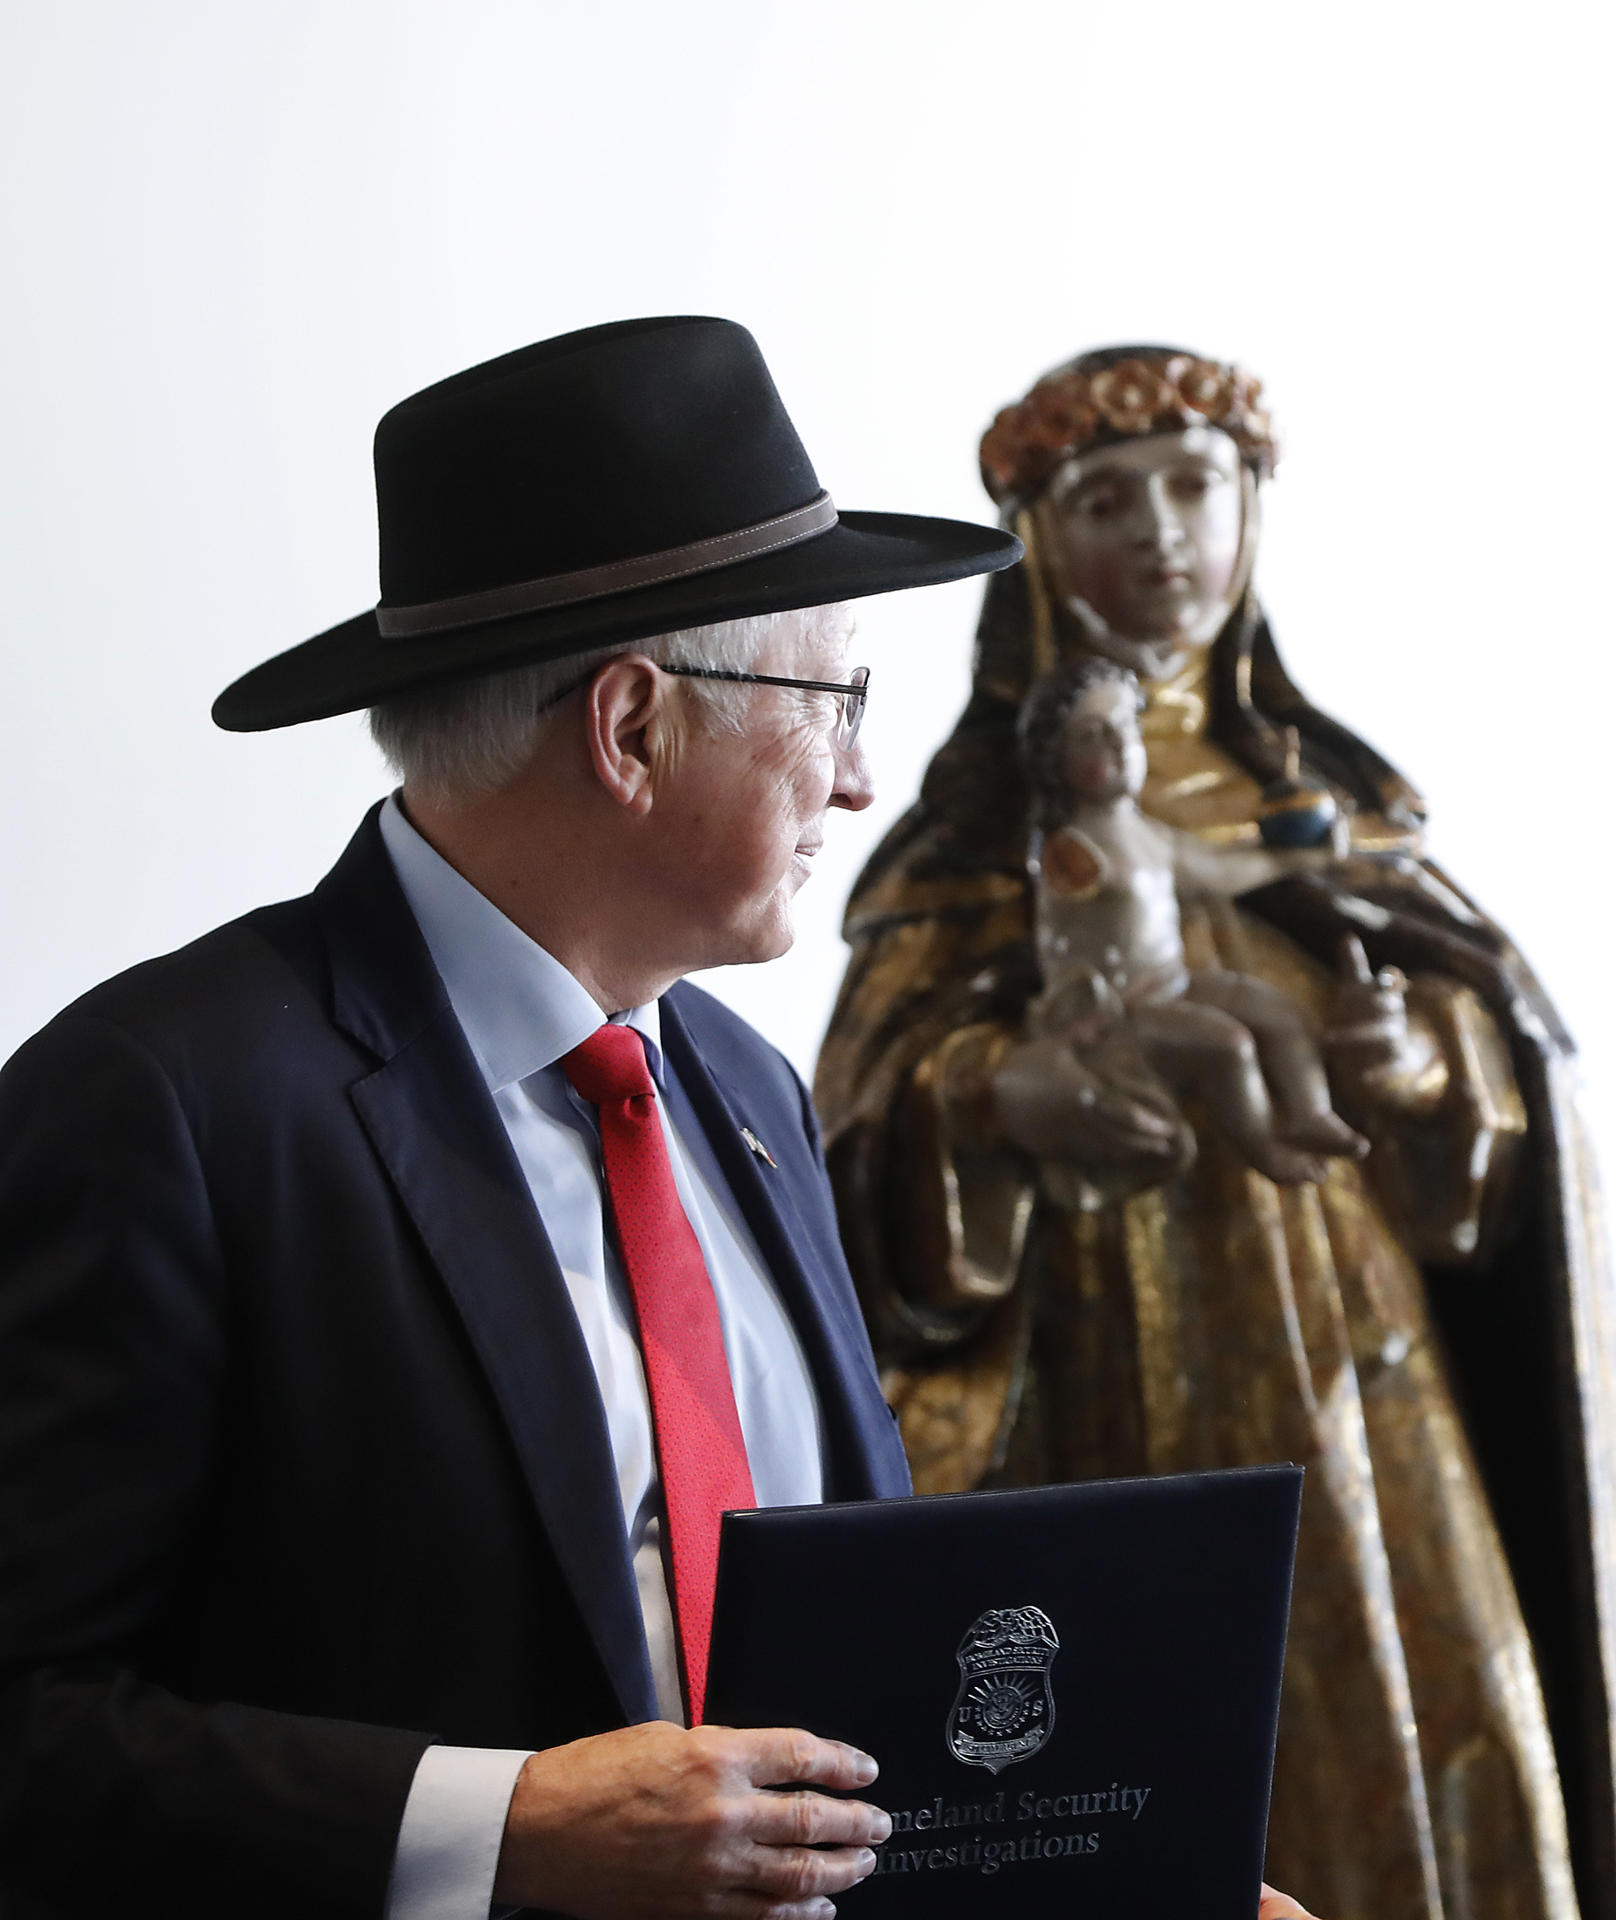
point(1280, 1906)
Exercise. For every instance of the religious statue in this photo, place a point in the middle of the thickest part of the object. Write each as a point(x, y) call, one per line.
point(1070, 1260)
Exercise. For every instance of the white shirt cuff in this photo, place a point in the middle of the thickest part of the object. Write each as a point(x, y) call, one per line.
point(449, 1838)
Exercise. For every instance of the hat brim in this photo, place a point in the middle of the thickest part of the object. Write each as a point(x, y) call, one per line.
point(354, 665)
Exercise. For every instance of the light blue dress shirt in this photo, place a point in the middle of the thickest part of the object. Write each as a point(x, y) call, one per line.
point(521, 1011)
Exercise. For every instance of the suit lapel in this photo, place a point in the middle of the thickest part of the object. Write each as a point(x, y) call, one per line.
point(431, 1121)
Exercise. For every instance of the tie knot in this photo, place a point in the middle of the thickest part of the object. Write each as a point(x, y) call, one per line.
point(610, 1065)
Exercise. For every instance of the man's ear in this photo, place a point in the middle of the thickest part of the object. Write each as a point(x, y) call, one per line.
point(628, 719)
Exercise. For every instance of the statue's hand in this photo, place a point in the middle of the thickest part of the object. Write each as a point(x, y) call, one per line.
point(1376, 1056)
point(1089, 1110)
point(1368, 1020)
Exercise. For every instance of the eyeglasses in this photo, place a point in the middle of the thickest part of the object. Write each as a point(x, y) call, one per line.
point(850, 696)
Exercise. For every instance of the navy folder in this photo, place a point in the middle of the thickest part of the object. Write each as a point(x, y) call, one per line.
point(1071, 1691)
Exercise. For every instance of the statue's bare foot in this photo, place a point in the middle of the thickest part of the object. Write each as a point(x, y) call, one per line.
point(1286, 1166)
point(1325, 1133)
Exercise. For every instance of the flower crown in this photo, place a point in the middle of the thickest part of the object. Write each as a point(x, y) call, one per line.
point(1068, 412)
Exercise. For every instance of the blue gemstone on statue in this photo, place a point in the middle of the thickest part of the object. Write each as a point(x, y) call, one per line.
point(1297, 820)
point(1294, 812)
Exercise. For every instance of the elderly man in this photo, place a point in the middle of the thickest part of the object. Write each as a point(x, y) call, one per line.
point(399, 1282)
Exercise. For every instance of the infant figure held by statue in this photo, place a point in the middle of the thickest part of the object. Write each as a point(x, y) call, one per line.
point(1107, 882)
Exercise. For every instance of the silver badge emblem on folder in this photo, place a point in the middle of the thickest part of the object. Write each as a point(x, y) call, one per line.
point(1004, 1710)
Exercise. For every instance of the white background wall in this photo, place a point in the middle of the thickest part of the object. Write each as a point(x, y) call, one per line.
point(235, 234)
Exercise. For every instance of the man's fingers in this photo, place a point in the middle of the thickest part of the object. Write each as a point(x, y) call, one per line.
point(811, 1820)
point(785, 1756)
point(759, 1906)
point(805, 1873)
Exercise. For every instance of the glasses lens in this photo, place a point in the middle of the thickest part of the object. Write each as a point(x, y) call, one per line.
point(850, 714)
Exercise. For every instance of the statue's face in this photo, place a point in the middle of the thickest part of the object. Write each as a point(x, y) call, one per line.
point(1105, 757)
point(1142, 542)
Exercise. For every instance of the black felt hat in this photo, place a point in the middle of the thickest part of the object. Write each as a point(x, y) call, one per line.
point(599, 488)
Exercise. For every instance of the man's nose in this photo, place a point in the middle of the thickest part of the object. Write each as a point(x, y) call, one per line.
point(854, 788)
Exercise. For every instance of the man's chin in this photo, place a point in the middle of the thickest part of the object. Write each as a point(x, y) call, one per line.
point(755, 945)
point(779, 942)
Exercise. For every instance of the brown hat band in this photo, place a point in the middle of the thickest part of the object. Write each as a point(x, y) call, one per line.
point(617, 576)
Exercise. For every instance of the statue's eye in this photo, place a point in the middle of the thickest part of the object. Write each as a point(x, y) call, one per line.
point(1099, 503)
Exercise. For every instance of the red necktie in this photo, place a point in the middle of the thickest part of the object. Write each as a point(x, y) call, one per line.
point(700, 1452)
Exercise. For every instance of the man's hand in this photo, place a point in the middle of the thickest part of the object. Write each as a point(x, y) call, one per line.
point(1280, 1906)
point(656, 1822)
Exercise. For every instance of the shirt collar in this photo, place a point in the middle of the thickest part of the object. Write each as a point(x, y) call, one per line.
point(519, 1007)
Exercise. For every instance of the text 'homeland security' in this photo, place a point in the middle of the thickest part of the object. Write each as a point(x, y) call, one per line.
point(988, 1855)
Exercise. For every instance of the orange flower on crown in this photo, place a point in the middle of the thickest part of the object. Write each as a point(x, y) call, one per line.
point(1061, 406)
point(1208, 389)
point(1001, 452)
point(1069, 411)
point(1131, 396)
point(1045, 425)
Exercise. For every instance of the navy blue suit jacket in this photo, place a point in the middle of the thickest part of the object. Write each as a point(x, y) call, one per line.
point(302, 1462)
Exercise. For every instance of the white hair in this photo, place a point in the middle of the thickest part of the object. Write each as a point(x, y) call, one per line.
point(469, 737)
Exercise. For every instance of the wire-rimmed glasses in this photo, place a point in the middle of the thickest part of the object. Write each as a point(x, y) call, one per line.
point(851, 693)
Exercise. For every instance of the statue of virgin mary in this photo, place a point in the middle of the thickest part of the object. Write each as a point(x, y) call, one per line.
point(1431, 1331)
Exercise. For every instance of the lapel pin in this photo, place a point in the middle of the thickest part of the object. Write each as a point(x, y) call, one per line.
point(757, 1145)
